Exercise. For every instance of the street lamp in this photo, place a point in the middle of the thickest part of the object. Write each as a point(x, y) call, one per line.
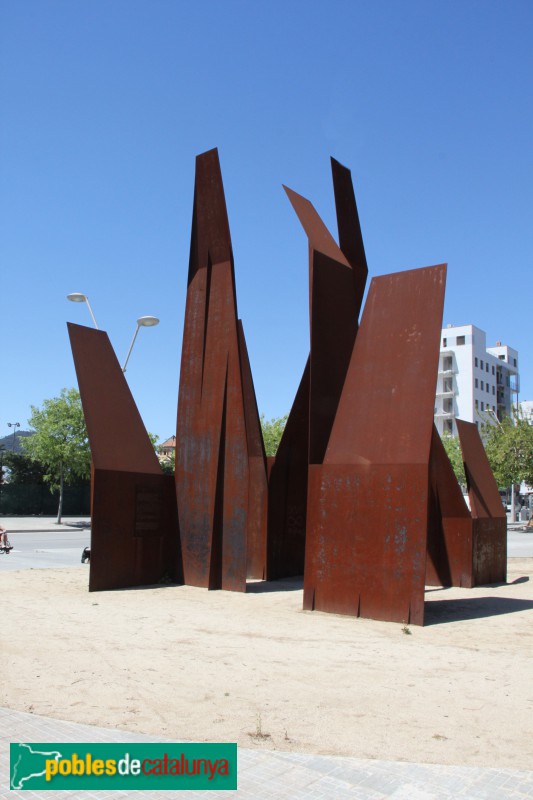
point(142, 322)
point(78, 297)
point(13, 425)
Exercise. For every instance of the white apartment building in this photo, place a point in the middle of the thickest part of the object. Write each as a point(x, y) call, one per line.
point(475, 382)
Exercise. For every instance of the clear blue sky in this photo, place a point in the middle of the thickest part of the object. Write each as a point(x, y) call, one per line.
point(104, 106)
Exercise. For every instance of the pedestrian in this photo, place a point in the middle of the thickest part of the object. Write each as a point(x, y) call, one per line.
point(4, 542)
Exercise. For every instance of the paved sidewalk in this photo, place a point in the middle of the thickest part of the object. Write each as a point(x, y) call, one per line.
point(40, 524)
point(277, 775)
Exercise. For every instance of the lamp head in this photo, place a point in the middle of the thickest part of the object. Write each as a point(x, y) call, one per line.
point(147, 322)
point(77, 297)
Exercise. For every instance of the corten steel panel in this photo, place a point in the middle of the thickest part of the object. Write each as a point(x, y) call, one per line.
point(123, 461)
point(337, 277)
point(349, 228)
point(287, 491)
point(485, 500)
point(490, 550)
point(368, 504)
point(449, 544)
point(134, 524)
point(211, 448)
point(364, 555)
point(385, 414)
point(258, 483)
point(489, 518)
point(117, 436)
point(333, 318)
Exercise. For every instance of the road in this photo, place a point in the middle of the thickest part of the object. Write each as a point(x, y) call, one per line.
point(37, 550)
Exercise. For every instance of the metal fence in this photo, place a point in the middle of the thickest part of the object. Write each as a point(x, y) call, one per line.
point(27, 500)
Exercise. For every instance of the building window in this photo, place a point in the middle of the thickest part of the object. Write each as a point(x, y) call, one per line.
point(447, 363)
point(460, 340)
point(488, 388)
point(514, 361)
point(493, 370)
point(482, 406)
point(477, 383)
point(481, 363)
point(493, 390)
point(486, 367)
point(475, 361)
point(477, 404)
point(445, 342)
point(482, 385)
point(502, 358)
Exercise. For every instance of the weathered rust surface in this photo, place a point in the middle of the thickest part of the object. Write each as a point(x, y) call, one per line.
point(287, 491)
point(449, 544)
point(489, 518)
point(368, 503)
point(366, 552)
point(117, 436)
point(134, 537)
point(212, 467)
point(257, 469)
point(337, 277)
point(349, 229)
point(333, 322)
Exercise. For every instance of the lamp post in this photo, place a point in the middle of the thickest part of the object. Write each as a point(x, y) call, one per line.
point(142, 322)
point(13, 425)
point(78, 297)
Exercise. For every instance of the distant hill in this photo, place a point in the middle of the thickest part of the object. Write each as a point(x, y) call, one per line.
point(7, 441)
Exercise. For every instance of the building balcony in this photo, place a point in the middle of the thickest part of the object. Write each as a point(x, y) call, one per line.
point(445, 393)
point(444, 414)
point(451, 371)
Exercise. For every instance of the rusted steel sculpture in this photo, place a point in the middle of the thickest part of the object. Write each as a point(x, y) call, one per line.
point(213, 481)
point(134, 538)
point(368, 502)
point(489, 536)
point(449, 545)
point(337, 277)
point(256, 537)
point(287, 491)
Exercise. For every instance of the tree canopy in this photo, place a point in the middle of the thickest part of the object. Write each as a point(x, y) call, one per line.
point(454, 453)
point(509, 448)
point(272, 432)
point(59, 441)
point(23, 470)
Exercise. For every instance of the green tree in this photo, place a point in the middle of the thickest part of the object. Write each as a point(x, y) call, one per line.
point(2, 462)
point(23, 469)
point(59, 441)
point(454, 453)
point(272, 433)
point(509, 447)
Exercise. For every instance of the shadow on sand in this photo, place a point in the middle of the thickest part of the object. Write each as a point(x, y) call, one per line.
point(440, 611)
point(283, 585)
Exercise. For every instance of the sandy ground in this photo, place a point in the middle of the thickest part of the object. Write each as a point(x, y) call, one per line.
point(188, 664)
